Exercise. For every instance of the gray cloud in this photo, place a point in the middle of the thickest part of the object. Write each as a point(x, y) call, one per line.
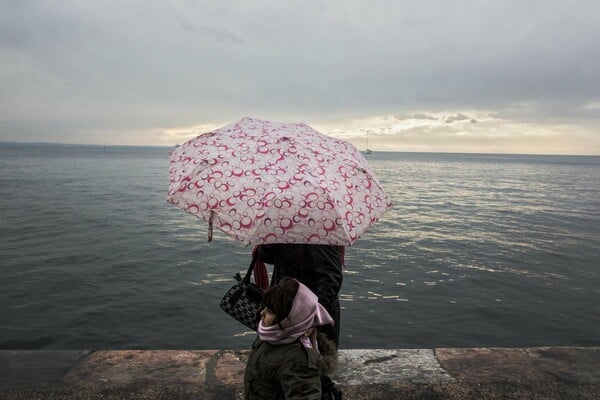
point(72, 66)
point(423, 116)
point(457, 117)
point(219, 35)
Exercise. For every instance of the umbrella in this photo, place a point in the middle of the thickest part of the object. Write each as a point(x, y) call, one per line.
point(272, 182)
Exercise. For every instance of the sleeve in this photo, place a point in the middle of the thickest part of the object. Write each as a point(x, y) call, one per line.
point(329, 269)
point(266, 253)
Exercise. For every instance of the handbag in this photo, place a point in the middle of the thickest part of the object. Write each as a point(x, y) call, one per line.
point(243, 301)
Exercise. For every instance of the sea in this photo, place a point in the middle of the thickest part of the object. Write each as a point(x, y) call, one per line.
point(479, 250)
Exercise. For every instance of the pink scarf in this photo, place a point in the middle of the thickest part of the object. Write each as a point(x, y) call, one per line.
point(306, 312)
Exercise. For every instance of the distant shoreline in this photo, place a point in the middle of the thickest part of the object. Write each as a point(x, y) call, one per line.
point(139, 146)
point(54, 144)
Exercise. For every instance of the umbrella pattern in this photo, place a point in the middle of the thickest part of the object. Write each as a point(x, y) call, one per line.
point(272, 182)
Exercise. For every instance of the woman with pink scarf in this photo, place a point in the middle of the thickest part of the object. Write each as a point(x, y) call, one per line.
point(288, 358)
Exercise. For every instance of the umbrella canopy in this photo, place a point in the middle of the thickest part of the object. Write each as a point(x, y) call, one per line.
point(272, 182)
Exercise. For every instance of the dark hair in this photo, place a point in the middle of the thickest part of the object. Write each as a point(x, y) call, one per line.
point(279, 298)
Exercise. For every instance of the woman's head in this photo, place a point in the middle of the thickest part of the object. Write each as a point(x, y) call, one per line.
point(278, 301)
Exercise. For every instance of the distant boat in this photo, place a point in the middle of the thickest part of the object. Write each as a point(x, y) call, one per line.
point(368, 150)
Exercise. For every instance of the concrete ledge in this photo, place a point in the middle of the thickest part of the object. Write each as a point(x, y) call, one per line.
point(135, 368)
point(357, 367)
point(572, 364)
point(35, 367)
point(571, 372)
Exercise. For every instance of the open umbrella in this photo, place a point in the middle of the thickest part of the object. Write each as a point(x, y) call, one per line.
point(272, 182)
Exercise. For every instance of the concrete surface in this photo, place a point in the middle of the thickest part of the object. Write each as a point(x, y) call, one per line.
point(388, 366)
point(27, 367)
point(480, 373)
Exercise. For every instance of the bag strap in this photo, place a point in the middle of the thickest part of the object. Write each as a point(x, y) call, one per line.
point(246, 278)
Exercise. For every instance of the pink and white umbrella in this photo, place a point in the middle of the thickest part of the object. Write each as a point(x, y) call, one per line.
point(272, 182)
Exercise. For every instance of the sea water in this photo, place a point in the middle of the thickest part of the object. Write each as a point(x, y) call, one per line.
point(479, 250)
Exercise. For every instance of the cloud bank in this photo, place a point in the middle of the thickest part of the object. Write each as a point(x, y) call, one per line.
point(133, 72)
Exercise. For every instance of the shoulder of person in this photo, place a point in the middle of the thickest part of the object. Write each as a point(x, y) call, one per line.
point(298, 356)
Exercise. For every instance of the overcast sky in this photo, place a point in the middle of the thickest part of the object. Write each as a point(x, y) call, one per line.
point(462, 76)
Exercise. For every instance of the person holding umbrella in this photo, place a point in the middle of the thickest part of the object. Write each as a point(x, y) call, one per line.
point(299, 195)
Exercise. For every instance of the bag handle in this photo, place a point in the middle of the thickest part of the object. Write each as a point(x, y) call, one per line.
point(246, 278)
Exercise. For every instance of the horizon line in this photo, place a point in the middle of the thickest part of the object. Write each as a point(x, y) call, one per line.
point(362, 151)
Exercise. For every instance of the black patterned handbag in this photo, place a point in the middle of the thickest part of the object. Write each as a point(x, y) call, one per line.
point(244, 300)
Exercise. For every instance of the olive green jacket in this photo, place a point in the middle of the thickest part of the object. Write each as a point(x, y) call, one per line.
point(287, 371)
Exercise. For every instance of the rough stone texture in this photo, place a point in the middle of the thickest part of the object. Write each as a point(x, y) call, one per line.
point(522, 365)
point(473, 391)
point(550, 373)
point(385, 366)
point(138, 368)
point(571, 364)
point(230, 367)
point(36, 367)
point(399, 391)
point(489, 365)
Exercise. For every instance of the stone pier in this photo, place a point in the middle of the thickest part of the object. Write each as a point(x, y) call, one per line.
point(458, 373)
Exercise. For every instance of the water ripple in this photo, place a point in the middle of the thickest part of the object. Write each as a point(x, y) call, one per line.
point(491, 250)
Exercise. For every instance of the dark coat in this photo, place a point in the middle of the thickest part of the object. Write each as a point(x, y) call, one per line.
point(287, 371)
point(317, 266)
